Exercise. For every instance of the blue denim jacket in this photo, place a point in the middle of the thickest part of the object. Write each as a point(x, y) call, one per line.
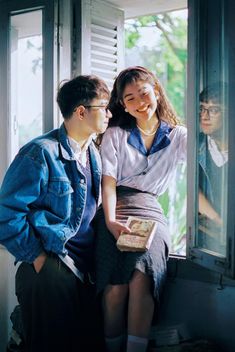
point(43, 195)
point(202, 152)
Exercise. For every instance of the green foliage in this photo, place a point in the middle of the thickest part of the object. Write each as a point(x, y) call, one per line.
point(169, 57)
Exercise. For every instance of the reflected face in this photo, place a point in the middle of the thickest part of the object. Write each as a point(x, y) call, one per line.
point(210, 117)
point(139, 99)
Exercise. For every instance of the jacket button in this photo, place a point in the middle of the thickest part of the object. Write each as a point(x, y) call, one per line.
point(82, 181)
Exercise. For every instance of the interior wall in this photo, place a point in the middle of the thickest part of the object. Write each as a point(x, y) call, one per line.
point(7, 295)
point(206, 310)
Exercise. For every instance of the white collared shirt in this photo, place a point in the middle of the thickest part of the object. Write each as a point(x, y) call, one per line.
point(80, 153)
point(219, 157)
point(123, 157)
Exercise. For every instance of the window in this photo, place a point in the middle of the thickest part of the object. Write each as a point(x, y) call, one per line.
point(211, 171)
point(99, 46)
point(29, 40)
point(26, 77)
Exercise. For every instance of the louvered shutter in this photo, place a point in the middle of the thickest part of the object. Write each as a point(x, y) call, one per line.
point(102, 40)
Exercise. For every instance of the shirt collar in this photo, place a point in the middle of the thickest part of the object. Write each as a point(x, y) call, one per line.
point(161, 139)
point(80, 153)
point(219, 157)
point(66, 148)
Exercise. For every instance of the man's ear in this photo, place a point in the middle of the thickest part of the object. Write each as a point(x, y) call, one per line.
point(80, 112)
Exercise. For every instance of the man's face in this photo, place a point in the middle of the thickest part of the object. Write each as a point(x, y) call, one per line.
point(210, 117)
point(97, 115)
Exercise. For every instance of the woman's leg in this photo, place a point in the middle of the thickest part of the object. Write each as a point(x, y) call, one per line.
point(140, 311)
point(114, 310)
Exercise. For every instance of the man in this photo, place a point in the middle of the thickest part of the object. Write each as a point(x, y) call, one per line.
point(48, 200)
point(213, 157)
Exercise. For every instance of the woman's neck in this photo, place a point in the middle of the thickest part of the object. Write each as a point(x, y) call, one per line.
point(148, 127)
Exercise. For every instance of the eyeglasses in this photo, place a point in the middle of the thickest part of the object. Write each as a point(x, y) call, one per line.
point(102, 107)
point(211, 111)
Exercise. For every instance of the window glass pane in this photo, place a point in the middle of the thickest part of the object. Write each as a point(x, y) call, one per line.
point(26, 77)
point(212, 138)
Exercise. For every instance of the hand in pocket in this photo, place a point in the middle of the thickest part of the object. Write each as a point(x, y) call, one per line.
point(39, 262)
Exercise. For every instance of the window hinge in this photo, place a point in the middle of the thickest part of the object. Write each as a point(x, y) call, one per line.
point(60, 35)
point(15, 124)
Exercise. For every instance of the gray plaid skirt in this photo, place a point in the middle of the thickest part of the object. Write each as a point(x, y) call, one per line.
point(116, 267)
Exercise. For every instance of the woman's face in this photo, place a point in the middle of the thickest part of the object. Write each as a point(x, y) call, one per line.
point(140, 100)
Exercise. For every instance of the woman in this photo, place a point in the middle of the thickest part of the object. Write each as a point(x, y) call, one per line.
point(140, 152)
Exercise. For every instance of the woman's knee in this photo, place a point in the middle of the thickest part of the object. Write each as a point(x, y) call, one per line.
point(115, 294)
point(140, 283)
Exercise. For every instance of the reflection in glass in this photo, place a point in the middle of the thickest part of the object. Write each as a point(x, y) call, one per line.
point(26, 77)
point(213, 161)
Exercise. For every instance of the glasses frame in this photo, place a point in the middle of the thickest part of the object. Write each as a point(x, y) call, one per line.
point(97, 106)
point(203, 110)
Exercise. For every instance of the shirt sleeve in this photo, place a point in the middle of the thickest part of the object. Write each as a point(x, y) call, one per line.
point(182, 148)
point(109, 153)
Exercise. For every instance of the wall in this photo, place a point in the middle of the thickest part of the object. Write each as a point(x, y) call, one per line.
point(203, 307)
point(7, 295)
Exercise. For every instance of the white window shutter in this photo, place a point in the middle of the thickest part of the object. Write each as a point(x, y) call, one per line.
point(102, 34)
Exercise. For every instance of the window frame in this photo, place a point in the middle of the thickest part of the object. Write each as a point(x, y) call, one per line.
point(196, 70)
point(51, 67)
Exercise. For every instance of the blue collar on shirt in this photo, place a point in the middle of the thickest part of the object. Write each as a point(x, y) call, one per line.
point(161, 139)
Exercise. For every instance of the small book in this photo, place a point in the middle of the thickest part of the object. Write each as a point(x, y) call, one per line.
point(141, 236)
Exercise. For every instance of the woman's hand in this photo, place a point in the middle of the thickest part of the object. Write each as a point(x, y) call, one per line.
point(116, 228)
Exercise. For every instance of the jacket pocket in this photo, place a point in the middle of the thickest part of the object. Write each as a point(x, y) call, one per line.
point(59, 197)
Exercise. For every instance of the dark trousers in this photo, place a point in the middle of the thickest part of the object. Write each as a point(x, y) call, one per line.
point(59, 312)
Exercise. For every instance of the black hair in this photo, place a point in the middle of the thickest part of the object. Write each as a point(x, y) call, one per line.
point(215, 92)
point(80, 90)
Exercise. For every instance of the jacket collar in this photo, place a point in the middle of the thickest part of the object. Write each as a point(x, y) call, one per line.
point(65, 148)
point(161, 139)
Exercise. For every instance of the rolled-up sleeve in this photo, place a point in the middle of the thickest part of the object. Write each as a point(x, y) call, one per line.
point(109, 153)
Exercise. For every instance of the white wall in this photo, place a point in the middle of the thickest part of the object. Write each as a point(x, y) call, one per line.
point(7, 295)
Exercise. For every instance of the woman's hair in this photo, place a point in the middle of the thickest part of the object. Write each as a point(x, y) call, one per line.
point(123, 119)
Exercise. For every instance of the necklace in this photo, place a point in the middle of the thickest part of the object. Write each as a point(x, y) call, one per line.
point(147, 133)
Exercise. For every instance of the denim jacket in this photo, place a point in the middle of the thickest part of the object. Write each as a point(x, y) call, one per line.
point(43, 196)
point(202, 153)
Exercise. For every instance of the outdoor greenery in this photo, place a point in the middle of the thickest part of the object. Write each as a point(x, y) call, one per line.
point(167, 58)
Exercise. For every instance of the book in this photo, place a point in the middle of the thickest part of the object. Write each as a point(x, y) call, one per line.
point(141, 236)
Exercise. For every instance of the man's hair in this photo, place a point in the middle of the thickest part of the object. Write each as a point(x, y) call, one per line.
point(214, 92)
point(80, 90)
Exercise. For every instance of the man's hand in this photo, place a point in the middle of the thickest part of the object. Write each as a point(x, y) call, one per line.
point(39, 262)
